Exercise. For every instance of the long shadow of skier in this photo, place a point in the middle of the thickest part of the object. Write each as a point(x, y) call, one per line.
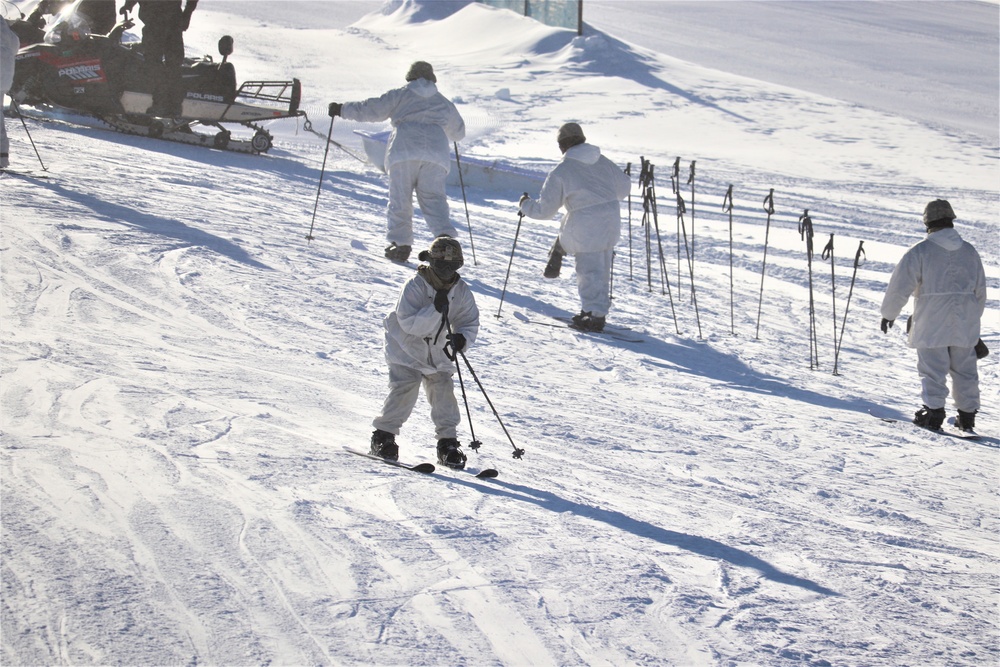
point(702, 546)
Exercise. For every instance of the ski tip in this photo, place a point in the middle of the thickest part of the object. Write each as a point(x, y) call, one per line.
point(489, 473)
point(423, 467)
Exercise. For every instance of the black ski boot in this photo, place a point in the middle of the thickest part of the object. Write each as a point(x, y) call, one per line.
point(450, 453)
point(966, 421)
point(384, 445)
point(554, 265)
point(397, 253)
point(587, 321)
point(929, 418)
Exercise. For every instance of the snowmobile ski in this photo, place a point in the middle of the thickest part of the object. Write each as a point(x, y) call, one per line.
point(425, 468)
point(953, 432)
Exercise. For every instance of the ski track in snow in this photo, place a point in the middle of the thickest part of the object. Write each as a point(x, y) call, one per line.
point(181, 369)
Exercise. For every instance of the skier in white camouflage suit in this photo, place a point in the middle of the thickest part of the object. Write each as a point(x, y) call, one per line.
point(417, 157)
point(9, 44)
point(420, 350)
point(590, 187)
point(945, 276)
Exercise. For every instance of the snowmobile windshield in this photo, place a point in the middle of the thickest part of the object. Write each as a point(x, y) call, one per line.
point(68, 26)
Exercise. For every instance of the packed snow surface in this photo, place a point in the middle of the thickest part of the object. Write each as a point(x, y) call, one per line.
point(182, 368)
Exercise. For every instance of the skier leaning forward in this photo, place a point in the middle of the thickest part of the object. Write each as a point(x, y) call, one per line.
point(416, 337)
point(417, 157)
point(945, 276)
point(590, 186)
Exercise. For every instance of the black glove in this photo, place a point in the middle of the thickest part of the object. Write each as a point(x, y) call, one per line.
point(981, 350)
point(334, 109)
point(441, 300)
point(126, 8)
point(523, 199)
point(457, 341)
point(886, 325)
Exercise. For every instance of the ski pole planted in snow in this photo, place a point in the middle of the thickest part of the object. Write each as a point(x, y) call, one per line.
point(520, 217)
point(628, 171)
point(769, 207)
point(694, 297)
point(857, 262)
point(828, 254)
point(468, 223)
point(727, 206)
point(806, 233)
point(691, 181)
point(319, 187)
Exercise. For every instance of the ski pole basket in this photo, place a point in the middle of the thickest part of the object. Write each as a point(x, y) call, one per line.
point(284, 92)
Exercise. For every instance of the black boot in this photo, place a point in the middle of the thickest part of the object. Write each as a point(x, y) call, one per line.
point(384, 445)
point(450, 453)
point(929, 418)
point(556, 255)
point(966, 421)
point(397, 253)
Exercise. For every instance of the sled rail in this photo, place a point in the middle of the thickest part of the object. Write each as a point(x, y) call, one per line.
point(283, 92)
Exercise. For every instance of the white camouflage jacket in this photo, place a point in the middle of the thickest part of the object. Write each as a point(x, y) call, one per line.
point(590, 186)
point(424, 122)
point(945, 276)
point(414, 335)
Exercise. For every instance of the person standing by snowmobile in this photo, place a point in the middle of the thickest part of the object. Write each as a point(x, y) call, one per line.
point(9, 45)
point(163, 26)
point(100, 14)
point(435, 319)
point(417, 158)
point(945, 276)
point(590, 187)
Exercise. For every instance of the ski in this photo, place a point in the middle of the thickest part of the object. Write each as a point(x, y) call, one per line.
point(952, 432)
point(615, 333)
point(24, 173)
point(479, 473)
point(425, 468)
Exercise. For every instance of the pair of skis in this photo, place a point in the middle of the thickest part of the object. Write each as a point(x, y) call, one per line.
point(621, 334)
point(953, 432)
point(426, 468)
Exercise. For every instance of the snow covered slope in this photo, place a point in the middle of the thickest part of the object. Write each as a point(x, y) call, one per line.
point(181, 369)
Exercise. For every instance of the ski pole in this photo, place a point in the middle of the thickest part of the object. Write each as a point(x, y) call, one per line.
point(628, 171)
point(691, 181)
point(769, 207)
point(13, 103)
point(675, 183)
point(518, 453)
point(468, 223)
point(806, 233)
point(520, 217)
point(453, 355)
point(828, 254)
point(690, 260)
point(857, 263)
point(319, 187)
point(727, 205)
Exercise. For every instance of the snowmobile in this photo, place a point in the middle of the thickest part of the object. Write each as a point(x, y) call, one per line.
point(103, 77)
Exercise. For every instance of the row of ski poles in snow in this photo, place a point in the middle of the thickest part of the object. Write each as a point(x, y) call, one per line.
point(650, 225)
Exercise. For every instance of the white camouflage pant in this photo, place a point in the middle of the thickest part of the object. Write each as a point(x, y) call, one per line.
point(934, 364)
point(404, 387)
point(427, 179)
point(593, 281)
